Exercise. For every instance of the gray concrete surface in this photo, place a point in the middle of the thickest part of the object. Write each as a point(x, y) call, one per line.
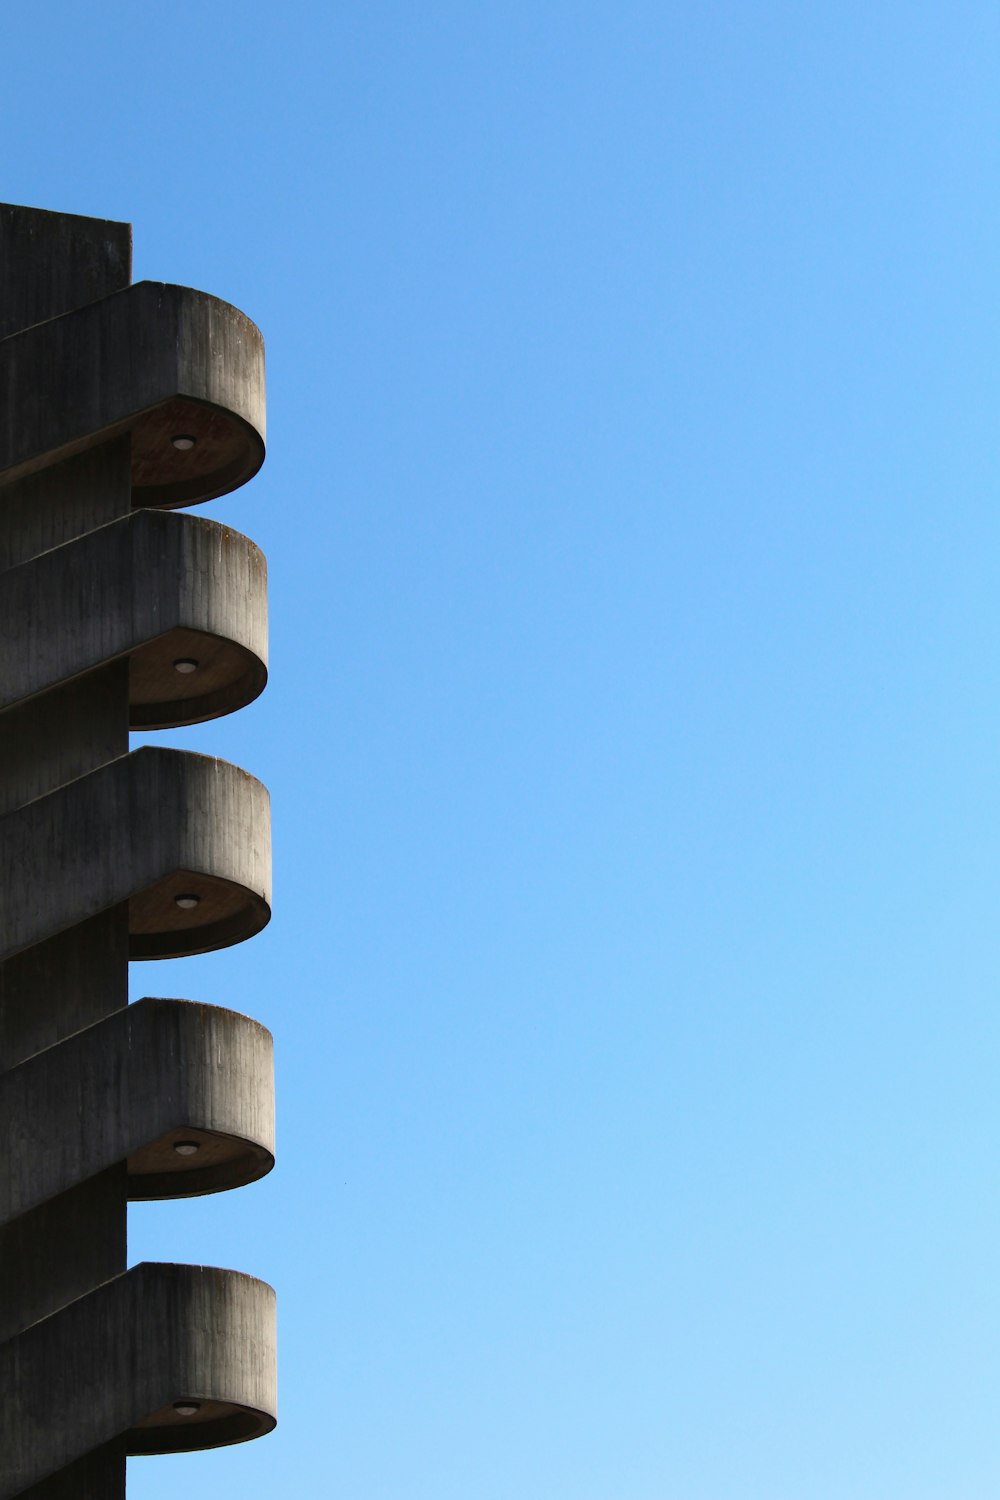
point(98, 600)
point(145, 828)
point(153, 360)
point(48, 265)
point(125, 1090)
point(163, 581)
point(55, 505)
point(52, 263)
point(109, 1367)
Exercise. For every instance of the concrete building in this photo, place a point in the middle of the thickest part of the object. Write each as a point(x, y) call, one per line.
point(120, 404)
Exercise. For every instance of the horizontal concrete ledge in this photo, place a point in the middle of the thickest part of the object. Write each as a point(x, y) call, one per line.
point(184, 838)
point(157, 361)
point(132, 1088)
point(110, 1367)
point(161, 589)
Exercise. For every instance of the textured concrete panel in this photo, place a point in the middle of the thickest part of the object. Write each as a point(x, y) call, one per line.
point(114, 399)
point(61, 1250)
point(110, 1366)
point(65, 500)
point(153, 360)
point(61, 735)
point(131, 1087)
point(83, 976)
point(155, 828)
point(51, 263)
point(153, 586)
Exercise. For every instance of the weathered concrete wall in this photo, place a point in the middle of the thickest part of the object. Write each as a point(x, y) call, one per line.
point(111, 1365)
point(53, 263)
point(107, 368)
point(145, 828)
point(49, 264)
point(162, 579)
point(115, 397)
point(127, 1090)
point(54, 506)
point(72, 973)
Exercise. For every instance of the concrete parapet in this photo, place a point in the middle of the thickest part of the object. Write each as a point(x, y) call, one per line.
point(185, 839)
point(184, 598)
point(154, 360)
point(132, 1088)
point(162, 1359)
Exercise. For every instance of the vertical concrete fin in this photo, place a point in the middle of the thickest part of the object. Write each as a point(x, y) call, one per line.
point(49, 265)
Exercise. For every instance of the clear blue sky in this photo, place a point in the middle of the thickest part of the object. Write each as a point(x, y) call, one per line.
point(633, 514)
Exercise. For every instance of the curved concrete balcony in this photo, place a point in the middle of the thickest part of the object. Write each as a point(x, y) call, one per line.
point(182, 1093)
point(184, 598)
point(184, 839)
point(163, 1359)
point(181, 371)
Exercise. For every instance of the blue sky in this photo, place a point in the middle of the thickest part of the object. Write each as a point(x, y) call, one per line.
point(633, 515)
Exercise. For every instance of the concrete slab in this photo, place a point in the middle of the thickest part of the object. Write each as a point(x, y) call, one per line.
point(134, 1087)
point(184, 598)
point(185, 839)
point(180, 371)
point(110, 1367)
